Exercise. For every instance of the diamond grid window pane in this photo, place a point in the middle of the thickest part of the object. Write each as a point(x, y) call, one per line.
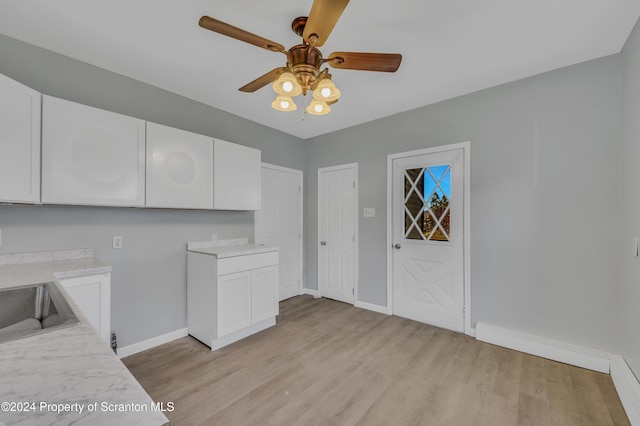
point(413, 203)
point(427, 218)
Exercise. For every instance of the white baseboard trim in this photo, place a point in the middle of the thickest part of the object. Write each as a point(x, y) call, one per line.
point(372, 307)
point(312, 292)
point(628, 388)
point(152, 343)
point(556, 350)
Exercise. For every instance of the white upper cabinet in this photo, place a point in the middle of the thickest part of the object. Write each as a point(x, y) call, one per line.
point(179, 168)
point(236, 176)
point(91, 156)
point(19, 142)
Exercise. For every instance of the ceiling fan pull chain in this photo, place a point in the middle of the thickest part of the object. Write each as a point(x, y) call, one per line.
point(303, 112)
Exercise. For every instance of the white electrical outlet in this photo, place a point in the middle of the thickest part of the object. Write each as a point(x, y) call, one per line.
point(369, 212)
point(117, 242)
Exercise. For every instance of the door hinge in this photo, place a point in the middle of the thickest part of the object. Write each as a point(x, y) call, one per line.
point(353, 238)
point(299, 190)
point(353, 291)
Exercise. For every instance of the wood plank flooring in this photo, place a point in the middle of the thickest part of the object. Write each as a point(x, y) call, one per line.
point(328, 363)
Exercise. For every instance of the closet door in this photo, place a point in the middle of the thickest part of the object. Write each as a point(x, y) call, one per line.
point(19, 142)
point(91, 156)
point(179, 168)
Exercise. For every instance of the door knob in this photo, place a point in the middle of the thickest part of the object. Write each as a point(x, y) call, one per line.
point(397, 246)
point(323, 243)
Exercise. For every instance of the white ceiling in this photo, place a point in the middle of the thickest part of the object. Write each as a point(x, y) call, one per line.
point(449, 47)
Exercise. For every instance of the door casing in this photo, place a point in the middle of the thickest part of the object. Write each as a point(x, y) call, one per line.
point(466, 148)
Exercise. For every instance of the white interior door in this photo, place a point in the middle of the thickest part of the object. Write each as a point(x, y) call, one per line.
point(428, 239)
point(279, 223)
point(337, 223)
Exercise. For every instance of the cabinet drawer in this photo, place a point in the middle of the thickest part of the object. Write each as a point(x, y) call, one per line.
point(234, 264)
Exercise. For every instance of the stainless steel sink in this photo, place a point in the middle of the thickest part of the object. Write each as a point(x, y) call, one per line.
point(33, 309)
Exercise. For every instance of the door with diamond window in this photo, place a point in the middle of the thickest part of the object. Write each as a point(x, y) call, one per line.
point(428, 252)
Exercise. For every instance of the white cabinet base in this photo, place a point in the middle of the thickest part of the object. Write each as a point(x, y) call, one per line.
point(92, 294)
point(241, 334)
point(232, 296)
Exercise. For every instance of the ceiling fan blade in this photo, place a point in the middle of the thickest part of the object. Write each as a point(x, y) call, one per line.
point(239, 34)
point(384, 62)
point(263, 80)
point(322, 18)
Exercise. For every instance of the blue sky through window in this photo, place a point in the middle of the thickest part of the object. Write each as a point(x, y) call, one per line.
point(430, 184)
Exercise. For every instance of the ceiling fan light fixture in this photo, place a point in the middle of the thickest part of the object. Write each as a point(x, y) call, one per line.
point(287, 85)
point(284, 103)
point(303, 72)
point(317, 107)
point(326, 91)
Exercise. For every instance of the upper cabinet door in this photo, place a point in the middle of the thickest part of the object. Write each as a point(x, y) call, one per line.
point(19, 142)
point(236, 177)
point(91, 156)
point(179, 168)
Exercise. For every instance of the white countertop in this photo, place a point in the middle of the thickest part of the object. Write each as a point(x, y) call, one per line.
point(70, 366)
point(229, 248)
point(30, 273)
point(232, 251)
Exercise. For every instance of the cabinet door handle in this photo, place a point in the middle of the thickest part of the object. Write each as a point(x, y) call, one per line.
point(397, 246)
point(323, 243)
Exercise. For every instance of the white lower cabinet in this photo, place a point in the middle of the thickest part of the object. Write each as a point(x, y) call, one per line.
point(231, 298)
point(233, 302)
point(264, 294)
point(92, 294)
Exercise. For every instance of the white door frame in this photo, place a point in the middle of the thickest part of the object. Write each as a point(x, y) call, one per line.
point(353, 166)
point(466, 148)
point(301, 211)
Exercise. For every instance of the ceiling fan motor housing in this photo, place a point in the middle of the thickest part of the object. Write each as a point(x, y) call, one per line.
point(305, 61)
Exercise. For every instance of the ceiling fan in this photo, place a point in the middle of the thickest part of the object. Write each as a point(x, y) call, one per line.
point(302, 72)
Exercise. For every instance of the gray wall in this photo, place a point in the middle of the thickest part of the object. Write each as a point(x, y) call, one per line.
point(544, 197)
point(148, 282)
point(630, 282)
point(545, 153)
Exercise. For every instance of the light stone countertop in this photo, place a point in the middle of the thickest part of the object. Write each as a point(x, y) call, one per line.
point(71, 365)
point(229, 248)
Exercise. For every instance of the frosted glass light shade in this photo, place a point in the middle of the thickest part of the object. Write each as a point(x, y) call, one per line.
point(317, 107)
point(326, 91)
point(287, 85)
point(284, 103)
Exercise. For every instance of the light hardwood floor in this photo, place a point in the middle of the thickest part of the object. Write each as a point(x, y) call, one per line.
point(328, 363)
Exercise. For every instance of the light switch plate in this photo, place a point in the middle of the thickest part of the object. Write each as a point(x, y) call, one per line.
point(369, 212)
